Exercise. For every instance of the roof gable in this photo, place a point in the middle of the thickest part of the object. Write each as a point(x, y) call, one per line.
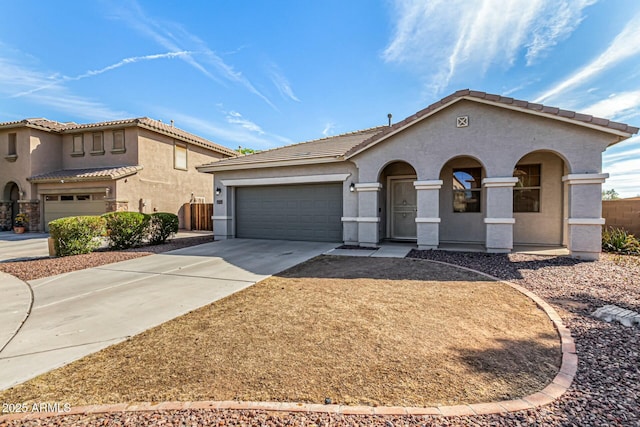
point(345, 146)
point(621, 130)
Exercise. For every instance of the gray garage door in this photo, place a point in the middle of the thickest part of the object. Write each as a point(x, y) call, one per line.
point(290, 212)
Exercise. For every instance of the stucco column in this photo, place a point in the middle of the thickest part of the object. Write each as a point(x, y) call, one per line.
point(499, 213)
point(584, 225)
point(368, 217)
point(32, 209)
point(428, 217)
point(5, 215)
point(222, 211)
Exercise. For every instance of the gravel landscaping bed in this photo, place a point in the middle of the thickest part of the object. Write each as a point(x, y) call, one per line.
point(606, 389)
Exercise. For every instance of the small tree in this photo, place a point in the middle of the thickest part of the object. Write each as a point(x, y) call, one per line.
point(610, 194)
point(245, 150)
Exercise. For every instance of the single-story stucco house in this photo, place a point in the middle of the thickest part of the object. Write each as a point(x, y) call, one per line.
point(473, 168)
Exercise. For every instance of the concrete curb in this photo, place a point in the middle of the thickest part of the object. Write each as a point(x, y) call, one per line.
point(551, 392)
point(15, 308)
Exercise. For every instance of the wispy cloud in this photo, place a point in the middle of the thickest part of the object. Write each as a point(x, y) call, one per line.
point(55, 80)
point(621, 163)
point(328, 129)
point(624, 46)
point(175, 38)
point(620, 106)
point(281, 82)
point(449, 38)
point(553, 25)
point(235, 118)
point(235, 130)
point(50, 92)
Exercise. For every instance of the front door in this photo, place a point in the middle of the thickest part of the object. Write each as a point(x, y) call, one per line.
point(403, 209)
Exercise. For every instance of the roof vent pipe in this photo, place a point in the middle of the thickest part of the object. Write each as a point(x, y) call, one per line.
point(171, 122)
point(389, 117)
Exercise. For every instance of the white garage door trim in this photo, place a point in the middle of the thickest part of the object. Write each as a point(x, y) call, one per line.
point(309, 211)
point(284, 180)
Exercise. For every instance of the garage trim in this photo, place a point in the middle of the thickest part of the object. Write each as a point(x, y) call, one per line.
point(299, 179)
point(298, 226)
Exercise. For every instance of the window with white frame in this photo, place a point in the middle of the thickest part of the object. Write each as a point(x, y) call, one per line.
point(467, 189)
point(526, 193)
point(78, 145)
point(180, 156)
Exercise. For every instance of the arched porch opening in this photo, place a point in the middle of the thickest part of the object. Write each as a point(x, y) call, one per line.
point(462, 202)
point(10, 196)
point(397, 202)
point(540, 201)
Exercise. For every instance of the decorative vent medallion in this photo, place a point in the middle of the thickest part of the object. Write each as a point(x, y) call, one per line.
point(462, 121)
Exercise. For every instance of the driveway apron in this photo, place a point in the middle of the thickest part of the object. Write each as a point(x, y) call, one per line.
point(75, 314)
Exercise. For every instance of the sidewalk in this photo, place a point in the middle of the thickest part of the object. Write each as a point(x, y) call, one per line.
point(16, 305)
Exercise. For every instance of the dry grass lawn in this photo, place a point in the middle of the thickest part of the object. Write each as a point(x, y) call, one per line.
point(357, 330)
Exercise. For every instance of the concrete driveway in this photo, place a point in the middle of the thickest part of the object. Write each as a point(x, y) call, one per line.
point(23, 246)
point(79, 313)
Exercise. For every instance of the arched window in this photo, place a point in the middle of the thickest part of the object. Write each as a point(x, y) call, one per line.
point(467, 189)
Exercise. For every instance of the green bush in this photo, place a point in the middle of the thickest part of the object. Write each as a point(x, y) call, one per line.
point(126, 229)
point(620, 241)
point(163, 225)
point(77, 234)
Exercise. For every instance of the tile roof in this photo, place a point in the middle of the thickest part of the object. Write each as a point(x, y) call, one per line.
point(88, 174)
point(37, 123)
point(341, 147)
point(143, 122)
point(515, 104)
point(327, 149)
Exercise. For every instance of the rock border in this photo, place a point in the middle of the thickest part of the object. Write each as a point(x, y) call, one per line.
point(551, 392)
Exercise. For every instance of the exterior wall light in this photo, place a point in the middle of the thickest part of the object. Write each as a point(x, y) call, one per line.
point(352, 187)
point(218, 191)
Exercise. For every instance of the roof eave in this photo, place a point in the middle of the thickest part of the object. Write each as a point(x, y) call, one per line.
point(28, 125)
point(552, 116)
point(65, 180)
point(213, 167)
point(86, 179)
point(621, 134)
point(211, 146)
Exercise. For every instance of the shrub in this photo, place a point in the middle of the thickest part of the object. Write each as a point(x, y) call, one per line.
point(162, 226)
point(620, 241)
point(77, 234)
point(126, 229)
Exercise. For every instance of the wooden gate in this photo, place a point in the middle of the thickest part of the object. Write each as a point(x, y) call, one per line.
point(200, 215)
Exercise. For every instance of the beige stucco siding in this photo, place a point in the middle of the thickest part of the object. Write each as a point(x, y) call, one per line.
point(109, 158)
point(45, 152)
point(159, 185)
point(18, 170)
point(497, 137)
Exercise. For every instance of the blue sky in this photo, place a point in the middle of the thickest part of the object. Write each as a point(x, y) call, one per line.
point(262, 74)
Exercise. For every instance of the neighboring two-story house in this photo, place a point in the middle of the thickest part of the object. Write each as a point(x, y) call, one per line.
point(52, 170)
